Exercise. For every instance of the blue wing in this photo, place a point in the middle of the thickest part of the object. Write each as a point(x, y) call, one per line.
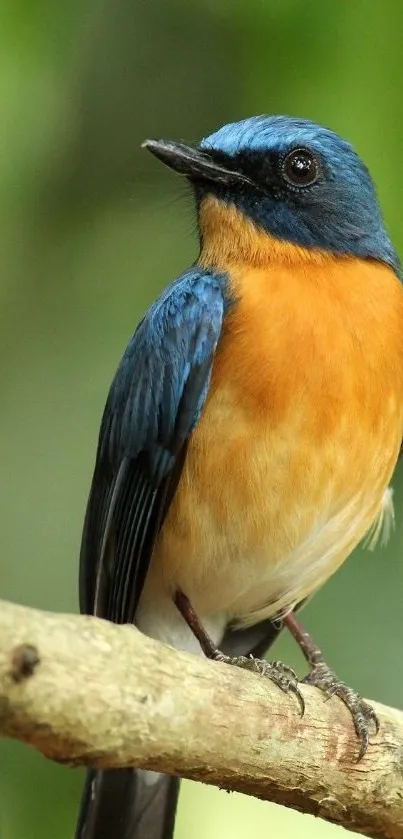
point(154, 403)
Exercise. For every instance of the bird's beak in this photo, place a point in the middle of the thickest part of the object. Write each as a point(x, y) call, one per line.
point(193, 163)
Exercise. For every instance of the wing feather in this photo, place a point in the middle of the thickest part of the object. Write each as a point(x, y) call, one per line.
point(153, 406)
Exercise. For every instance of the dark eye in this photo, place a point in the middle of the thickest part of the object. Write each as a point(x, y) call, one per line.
point(300, 168)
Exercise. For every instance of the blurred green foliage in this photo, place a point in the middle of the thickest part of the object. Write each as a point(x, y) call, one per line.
point(91, 229)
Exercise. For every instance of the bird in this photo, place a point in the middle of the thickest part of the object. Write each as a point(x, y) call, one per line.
point(252, 427)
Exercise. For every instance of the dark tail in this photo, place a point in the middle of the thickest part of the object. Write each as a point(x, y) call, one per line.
point(130, 803)
point(127, 804)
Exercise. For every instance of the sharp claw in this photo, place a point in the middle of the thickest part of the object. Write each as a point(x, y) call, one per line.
point(363, 733)
point(327, 694)
point(331, 690)
point(364, 745)
point(375, 721)
point(362, 714)
point(297, 693)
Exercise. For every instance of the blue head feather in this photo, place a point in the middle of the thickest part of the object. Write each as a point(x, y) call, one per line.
point(339, 213)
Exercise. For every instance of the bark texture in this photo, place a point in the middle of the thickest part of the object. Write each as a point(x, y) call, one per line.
point(84, 691)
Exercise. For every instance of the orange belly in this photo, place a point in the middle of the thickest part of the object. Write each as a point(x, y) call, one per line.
point(290, 463)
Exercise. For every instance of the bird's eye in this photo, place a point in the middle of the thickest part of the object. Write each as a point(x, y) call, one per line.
point(300, 168)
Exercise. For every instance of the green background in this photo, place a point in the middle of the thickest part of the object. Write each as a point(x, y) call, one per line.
point(91, 229)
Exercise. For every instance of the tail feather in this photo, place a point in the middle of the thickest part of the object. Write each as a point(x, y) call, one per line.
point(134, 804)
point(127, 804)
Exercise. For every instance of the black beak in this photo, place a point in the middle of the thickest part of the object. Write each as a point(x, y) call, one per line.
point(195, 164)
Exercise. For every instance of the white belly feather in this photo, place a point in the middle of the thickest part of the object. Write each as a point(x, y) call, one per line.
point(275, 590)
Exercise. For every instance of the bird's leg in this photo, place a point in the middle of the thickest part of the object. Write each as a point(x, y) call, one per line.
point(284, 677)
point(194, 623)
point(322, 677)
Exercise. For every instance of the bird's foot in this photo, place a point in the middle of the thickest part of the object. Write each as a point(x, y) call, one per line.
point(284, 677)
point(322, 677)
point(364, 717)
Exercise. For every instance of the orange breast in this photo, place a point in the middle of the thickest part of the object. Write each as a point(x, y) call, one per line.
point(291, 459)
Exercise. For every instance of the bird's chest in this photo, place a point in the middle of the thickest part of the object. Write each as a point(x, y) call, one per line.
point(290, 462)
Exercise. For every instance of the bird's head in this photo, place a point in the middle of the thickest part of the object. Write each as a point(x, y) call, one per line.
point(293, 180)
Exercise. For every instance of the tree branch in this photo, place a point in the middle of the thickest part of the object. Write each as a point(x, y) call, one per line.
point(84, 691)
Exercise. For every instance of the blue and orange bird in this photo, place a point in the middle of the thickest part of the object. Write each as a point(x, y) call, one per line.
point(253, 424)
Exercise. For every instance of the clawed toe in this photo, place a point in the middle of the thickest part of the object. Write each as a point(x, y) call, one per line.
point(284, 677)
point(363, 715)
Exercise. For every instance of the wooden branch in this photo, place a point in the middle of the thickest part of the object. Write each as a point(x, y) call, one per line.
point(84, 691)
